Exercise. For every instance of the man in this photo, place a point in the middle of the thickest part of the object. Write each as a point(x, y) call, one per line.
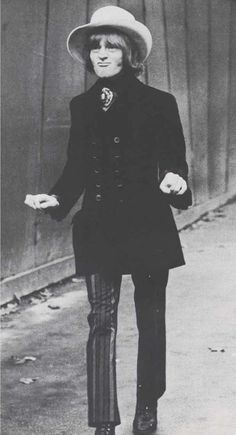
point(127, 153)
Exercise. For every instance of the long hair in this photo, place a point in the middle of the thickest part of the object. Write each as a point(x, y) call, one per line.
point(114, 39)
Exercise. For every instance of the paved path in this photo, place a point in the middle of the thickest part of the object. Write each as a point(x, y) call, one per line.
point(201, 390)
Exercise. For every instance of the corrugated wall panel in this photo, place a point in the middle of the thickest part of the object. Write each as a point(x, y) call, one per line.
point(197, 54)
point(22, 76)
point(157, 62)
point(177, 64)
point(63, 78)
point(231, 176)
point(219, 22)
point(193, 57)
point(136, 7)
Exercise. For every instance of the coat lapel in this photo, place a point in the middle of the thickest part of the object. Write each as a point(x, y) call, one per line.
point(134, 108)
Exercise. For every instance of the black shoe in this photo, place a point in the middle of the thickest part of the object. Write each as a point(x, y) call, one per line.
point(105, 429)
point(145, 420)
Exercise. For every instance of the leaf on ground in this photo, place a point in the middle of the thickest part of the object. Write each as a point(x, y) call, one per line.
point(23, 360)
point(27, 381)
point(54, 307)
point(207, 219)
point(220, 213)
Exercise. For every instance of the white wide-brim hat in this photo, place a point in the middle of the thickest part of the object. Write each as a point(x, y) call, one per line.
point(117, 18)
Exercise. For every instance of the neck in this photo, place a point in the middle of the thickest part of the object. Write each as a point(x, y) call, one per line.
point(118, 80)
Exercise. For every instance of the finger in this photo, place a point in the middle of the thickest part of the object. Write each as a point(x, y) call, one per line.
point(26, 202)
point(51, 202)
point(176, 188)
point(172, 187)
point(164, 188)
point(183, 188)
point(37, 203)
point(32, 204)
point(29, 201)
point(45, 205)
point(43, 197)
point(171, 179)
point(181, 191)
point(179, 182)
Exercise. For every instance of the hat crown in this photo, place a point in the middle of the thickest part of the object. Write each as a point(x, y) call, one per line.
point(118, 19)
point(111, 13)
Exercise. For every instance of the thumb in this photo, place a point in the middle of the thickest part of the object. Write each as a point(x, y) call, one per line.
point(164, 188)
point(45, 204)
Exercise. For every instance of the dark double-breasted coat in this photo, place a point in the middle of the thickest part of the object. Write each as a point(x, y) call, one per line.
point(118, 158)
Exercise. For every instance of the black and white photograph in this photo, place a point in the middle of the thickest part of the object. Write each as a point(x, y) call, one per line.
point(118, 217)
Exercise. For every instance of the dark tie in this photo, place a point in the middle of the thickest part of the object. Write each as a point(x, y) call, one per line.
point(107, 98)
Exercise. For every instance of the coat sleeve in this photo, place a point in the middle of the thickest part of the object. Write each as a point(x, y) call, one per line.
point(71, 183)
point(172, 154)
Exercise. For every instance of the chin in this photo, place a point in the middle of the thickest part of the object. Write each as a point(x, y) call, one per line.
point(106, 73)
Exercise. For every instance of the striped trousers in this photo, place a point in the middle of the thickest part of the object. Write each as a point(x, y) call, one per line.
point(149, 296)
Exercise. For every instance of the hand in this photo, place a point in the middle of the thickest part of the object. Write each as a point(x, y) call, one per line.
point(173, 183)
point(41, 201)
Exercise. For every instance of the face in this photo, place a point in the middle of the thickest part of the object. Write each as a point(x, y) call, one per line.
point(107, 60)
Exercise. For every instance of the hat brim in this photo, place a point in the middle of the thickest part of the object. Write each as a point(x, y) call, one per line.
point(137, 32)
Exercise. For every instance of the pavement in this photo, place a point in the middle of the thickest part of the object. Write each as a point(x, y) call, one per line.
point(51, 326)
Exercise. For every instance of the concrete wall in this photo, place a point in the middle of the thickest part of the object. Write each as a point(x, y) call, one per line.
point(193, 57)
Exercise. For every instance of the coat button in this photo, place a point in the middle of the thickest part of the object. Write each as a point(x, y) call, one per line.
point(120, 185)
point(96, 171)
point(94, 157)
point(98, 186)
point(98, 197)
point(116, 139)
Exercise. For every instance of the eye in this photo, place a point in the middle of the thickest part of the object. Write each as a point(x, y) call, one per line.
point(95, 50)
point(111, 47)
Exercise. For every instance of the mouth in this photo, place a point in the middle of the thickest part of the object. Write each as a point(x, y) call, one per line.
point(103, 65)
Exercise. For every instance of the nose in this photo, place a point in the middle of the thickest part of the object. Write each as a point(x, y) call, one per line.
point(102, 53)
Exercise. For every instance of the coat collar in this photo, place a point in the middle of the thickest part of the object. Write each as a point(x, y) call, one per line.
point(132, 100)
point(127, 86)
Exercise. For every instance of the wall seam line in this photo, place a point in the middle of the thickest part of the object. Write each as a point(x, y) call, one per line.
point(146, 64)
point(208, 98)
point(189, 99)
point(229, 82)
point(166, 44)
point(85, 71)
point(41, 136)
